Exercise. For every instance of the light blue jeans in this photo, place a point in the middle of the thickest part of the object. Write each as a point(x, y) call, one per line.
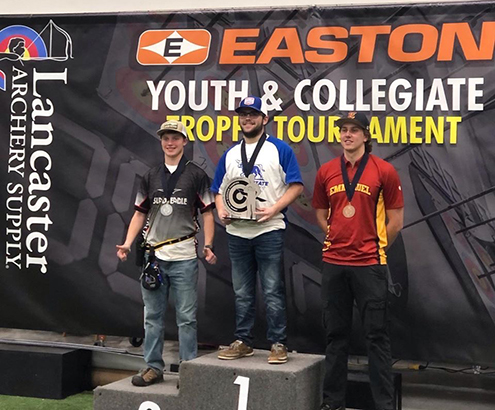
point(182, 278)
point(263, 256)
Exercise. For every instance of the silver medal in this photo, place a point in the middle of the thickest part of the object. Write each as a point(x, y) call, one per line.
point(166, 209)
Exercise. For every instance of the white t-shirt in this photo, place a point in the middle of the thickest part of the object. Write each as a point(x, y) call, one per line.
point(274, 169)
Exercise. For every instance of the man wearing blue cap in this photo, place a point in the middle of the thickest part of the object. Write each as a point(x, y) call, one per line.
point(265, 170)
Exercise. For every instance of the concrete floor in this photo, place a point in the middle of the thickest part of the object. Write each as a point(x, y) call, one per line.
point(428, 389)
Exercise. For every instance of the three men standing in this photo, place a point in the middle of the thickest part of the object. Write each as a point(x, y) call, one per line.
point(359, 205)
point(256, 241)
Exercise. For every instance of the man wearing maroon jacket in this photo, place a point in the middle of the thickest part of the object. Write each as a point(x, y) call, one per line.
point(359, 205)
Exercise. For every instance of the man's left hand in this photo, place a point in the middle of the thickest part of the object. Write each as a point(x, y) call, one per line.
point(266, 213)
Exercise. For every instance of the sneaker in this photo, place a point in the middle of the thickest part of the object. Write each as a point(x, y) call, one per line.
point(278, 354)
point(146, 377)
point(236, 350)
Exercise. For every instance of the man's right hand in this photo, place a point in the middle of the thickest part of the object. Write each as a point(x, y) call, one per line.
point(123, 251)
point(221, 212)
point(223, 216)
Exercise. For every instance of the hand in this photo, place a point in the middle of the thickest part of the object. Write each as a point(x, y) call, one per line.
point(123, 251)
point(222, 215)
point(209, 256)
point(266, 213)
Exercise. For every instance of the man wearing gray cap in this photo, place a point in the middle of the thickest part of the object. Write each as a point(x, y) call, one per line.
point(166, 206)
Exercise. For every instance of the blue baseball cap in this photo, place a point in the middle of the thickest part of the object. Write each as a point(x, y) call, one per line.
point(254, 103)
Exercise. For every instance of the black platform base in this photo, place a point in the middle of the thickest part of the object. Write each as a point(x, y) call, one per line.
point(358, 395)
point(45, 372)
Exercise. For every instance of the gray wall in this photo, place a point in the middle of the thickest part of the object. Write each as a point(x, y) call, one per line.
point(98, 6)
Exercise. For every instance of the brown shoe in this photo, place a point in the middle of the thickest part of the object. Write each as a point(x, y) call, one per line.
point(278, 354)
point(146, 377)
point(236, 350)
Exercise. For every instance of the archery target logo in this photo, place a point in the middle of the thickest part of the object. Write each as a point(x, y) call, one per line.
point(236, 197)
point(21, 43)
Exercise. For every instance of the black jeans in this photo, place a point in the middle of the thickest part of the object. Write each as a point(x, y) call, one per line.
point(367, 285)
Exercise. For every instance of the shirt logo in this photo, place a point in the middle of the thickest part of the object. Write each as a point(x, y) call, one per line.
point(365, 189)
point(173, 47)
point(257, 171)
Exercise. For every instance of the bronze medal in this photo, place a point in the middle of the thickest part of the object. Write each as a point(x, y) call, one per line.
point(350, 187)
point(349, 211)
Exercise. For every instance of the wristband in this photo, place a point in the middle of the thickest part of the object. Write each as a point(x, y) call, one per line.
point(210, 247)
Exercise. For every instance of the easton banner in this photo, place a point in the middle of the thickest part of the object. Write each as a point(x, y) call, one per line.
point(81, 98)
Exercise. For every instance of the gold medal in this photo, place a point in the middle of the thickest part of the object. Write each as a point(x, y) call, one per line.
point(349, 211)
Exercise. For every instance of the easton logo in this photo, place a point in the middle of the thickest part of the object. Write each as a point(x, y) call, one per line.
point(177, 47)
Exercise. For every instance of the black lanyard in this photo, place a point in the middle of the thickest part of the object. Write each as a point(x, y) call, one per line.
point(247, 167)
point(169, 181)
point(350, 187)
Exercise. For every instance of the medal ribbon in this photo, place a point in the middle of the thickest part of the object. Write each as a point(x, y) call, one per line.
point(350, 187)
point(247, 167)
point(169, 181)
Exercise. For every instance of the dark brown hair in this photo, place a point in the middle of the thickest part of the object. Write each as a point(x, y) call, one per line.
point(367, 145)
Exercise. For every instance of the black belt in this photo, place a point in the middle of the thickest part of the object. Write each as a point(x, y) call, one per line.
point(172, 241)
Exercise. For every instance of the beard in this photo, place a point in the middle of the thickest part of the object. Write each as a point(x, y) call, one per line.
point(254, 132)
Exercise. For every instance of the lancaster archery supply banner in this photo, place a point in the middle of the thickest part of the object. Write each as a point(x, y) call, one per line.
point(81, 99)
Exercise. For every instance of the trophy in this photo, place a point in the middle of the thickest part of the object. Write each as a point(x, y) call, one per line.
point(239, 198)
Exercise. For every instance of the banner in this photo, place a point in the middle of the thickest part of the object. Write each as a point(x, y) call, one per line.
point(81, 99)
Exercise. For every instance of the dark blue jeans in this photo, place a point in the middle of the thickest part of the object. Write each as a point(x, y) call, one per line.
point(263, 255)
point(340, 287)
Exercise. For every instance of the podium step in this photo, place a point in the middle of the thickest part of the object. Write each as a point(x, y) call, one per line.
point(208, 383)
point(123, 395)
point(44, 372)
point(224, 384)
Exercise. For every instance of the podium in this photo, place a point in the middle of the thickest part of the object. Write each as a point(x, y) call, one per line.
point(208, 383)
